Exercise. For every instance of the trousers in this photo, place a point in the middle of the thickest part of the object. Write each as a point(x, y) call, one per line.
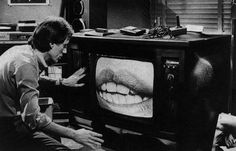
point(16, 136)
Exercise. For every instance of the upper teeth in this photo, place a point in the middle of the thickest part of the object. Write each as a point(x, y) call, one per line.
point(115, 88)
point(119, 94)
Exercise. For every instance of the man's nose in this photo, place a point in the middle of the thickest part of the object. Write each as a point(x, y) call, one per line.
point(64, 50)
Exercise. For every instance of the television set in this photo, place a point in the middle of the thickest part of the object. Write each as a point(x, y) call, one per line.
point(162, 88)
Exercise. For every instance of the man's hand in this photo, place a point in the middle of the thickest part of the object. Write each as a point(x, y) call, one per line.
point(88, 138)
point(72, 81)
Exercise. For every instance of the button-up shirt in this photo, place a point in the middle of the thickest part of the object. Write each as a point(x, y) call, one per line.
point(19, 75)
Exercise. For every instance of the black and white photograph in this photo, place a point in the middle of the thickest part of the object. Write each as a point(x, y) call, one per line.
point(117, 75)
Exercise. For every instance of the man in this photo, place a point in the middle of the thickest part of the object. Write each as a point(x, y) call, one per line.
point(22, 125)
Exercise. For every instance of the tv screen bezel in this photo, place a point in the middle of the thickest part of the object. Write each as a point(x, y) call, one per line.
point(116, 119)
point(152, 126)
point(151, 53)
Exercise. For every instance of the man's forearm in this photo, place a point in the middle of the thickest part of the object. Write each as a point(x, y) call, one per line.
point(59, 130)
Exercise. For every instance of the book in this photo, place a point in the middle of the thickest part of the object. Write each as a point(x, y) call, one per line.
point(133, 31)
point(95, 33)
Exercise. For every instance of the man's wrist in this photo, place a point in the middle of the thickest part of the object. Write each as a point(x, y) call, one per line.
point(71, 133)
point(59, 81)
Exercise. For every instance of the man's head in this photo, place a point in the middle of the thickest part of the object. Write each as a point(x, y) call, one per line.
point(51, 36)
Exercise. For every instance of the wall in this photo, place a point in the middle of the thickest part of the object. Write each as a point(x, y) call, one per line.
point(122, 13)
point(117, 13)
point(12, 14)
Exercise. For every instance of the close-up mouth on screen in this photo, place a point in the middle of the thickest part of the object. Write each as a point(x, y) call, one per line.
point(125, 86)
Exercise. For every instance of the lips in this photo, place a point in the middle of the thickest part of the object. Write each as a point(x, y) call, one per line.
point(122, 92)
point(125, 78)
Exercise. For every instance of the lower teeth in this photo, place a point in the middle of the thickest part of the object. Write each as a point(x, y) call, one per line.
point(121, 99)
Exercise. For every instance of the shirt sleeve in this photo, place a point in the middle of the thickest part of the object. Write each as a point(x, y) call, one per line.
point(27, 82)
point(45, 79)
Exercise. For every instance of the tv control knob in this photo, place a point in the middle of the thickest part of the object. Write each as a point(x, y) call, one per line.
point(170, 77)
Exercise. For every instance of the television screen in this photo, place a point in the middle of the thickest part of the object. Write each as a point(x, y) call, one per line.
point(125, 86)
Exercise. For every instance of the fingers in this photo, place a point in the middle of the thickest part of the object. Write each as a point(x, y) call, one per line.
point(89, 138)
point(79, 85)
point(94, 143)
point(73, 84)
point(80, 71)
point(77, 77)
point(96, 134)
point(80, 76)
point(72, 81)
point(96, 137)
point(93, 146)
point(97, 140)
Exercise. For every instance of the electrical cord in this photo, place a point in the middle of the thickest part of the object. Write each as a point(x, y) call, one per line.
point(158, 32)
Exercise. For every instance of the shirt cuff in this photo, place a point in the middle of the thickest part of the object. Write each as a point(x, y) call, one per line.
point(59, 81)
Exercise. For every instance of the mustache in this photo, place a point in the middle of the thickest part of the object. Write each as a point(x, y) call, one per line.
point(124, 77)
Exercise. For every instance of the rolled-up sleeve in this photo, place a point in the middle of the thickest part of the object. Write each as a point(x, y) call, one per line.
point(27, 82)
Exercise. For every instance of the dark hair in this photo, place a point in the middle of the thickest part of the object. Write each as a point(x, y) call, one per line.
point(51, 30)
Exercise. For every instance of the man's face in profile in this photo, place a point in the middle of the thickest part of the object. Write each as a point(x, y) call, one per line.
point(56, 52)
